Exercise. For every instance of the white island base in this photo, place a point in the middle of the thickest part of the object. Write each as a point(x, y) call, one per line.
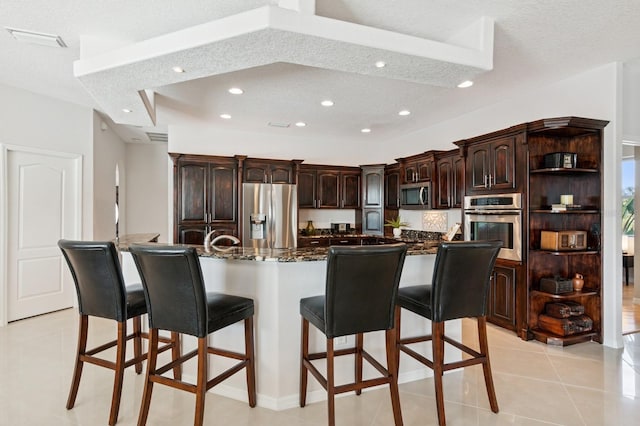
point(276, 288)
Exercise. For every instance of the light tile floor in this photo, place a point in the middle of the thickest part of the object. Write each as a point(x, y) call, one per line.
point(584, 384)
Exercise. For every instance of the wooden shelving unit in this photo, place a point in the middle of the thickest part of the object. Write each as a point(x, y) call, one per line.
point(583, 137)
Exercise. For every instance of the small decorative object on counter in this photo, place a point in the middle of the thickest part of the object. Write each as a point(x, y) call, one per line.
point(396, 224)
point(578, 282)
point(311, 230)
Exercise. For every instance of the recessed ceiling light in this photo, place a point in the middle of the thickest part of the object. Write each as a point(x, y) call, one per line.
point(236, 91)
point(225, 116)
point(327, 103)
point(42, 39)
point(465, 84)
point(365, 130)
point(127, 110)
point(381, 64)
point(301, 124)
point(178, 69)
point(404, 112)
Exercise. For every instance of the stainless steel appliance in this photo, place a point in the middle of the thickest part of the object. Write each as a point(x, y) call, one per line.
point(415, 196)
point(269, 215)
point(495, 217)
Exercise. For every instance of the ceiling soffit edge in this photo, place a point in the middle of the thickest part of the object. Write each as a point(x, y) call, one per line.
point(119, 78)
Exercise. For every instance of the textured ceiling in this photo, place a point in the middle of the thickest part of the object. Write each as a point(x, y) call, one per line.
point(286, 73)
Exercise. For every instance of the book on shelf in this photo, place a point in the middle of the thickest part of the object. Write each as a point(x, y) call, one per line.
point(558, 207)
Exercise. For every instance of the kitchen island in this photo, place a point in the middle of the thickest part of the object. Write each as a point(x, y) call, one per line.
point(277, 280)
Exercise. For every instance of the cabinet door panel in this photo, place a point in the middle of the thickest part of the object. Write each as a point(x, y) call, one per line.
point(328, 189)
point(350, 191)
point(281, 174)
point(372, 221)
point(307, 189)
point(192, 234)
point(503, 170)
point(193, 199)
point(502, 297)
point(255, 173)
point(223, 193)
point(425, 170)
point(445, 181)
point(392, 189)
point(372, 189)
point(458, 182)
point(478, 167)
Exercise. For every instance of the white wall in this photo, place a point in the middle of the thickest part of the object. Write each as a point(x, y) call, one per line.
point(109, 150)
point(31, 120)
point(631, 102)
point(147, 199)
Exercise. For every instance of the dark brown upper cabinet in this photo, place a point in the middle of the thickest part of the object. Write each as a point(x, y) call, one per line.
point(449, 190)
point(495, 162)
point(205, 197)
point(329, 187)
point(268, 171)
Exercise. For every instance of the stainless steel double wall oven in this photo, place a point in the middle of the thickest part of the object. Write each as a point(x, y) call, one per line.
point(495, 217)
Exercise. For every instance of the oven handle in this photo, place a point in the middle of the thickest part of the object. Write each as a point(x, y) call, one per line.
point(494, 212)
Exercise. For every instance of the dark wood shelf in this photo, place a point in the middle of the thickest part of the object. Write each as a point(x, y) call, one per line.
point(562, 170)
point(555, 340)
point(564, 253)
point(565, 296)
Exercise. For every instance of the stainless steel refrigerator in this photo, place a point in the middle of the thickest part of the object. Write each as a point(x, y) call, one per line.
point(269, 215)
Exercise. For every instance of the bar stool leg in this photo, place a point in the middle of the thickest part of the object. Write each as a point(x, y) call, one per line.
point(486, 365)
point(201, 385)
point(397, 328)
point(175, 354)
point(359, 346)
point(152, 359)
point(251, 365)
point(137, 342)
point(304, 354)
point(392, 369)
point(438, 362)
point(121, 349)
point(331, 390)
point(83, 328)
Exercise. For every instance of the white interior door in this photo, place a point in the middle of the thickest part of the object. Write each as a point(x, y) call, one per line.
point(43, 194)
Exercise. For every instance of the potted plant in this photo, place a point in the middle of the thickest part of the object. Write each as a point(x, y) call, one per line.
point(396, 224)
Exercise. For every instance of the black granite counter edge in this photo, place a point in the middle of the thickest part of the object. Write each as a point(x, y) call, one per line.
point(310, 254)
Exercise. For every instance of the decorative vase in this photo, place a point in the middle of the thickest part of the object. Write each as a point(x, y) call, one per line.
point(397, 232)
point(311, 230)
point(578, 282)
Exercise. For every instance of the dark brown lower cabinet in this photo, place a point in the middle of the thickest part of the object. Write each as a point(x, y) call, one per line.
point(502, 297)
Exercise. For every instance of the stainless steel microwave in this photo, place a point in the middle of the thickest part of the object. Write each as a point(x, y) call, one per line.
point(415, 196)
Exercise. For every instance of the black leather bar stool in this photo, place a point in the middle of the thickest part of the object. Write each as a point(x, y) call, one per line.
point(459, 289)
point(178, 301)
point(361, 287)
point(101, 291)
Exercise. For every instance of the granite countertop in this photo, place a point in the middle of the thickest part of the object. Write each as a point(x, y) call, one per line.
point(307, 254)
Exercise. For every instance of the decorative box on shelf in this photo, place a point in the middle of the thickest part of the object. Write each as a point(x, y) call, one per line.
point(563, 240)
point(556, 285)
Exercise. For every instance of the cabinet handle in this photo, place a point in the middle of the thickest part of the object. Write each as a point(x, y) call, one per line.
point(490, 180)
point(485, 180)
point(314, 242)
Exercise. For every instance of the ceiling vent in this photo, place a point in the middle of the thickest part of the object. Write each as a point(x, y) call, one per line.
point(33, 37)
point(283, 125)
point(158, 137)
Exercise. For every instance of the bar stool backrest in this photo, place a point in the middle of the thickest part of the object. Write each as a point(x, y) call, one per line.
point(361, 288)
point(461, 275)
point(173, 287)
point(97, 276)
